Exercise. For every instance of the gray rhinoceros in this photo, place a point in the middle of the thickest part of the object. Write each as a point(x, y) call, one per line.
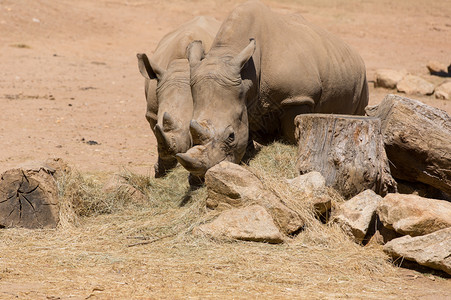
point(262, 70)
point(169, 101)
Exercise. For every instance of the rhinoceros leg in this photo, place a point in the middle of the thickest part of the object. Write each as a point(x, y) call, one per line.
point(195, 182)
point(287, 120)
point(163, 166)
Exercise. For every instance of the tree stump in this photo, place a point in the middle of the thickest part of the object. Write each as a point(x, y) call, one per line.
point(417, 140)
point(347, 150)
point(29, 198)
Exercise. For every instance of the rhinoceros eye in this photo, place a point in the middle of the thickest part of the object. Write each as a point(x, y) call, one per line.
point(230, 138)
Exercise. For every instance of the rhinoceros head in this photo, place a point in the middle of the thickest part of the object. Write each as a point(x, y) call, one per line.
point(219, 128)
point(175, 105)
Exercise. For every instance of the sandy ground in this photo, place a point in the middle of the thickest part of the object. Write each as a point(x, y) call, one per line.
point(70, 86)
point(68, 70)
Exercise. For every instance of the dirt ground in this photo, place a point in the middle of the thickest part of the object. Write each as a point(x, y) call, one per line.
point(70, 85)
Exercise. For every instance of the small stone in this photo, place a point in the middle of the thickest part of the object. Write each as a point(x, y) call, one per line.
point(415, 85)
point(436, 68)
point(443, 91)
point(388, 79)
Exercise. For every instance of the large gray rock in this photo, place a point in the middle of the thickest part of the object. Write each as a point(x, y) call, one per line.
point(443, 91)
point(230, 185)
point(414, 215)
point(313, 187)
point(417, 140)
point(432, 250)
point(387, 78)
point(356, 214)
point(29, 197)
point(251, 223)
point(415, 85)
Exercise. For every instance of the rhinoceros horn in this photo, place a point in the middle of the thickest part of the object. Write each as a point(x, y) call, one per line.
point(192, 164)
point(168, 122)
point(162, 140)
point(199, 133)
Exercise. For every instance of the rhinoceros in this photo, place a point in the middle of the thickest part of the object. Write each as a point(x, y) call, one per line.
point(262, 70)
point(169, 101)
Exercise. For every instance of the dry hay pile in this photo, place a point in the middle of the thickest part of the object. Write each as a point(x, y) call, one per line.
point(115, 247)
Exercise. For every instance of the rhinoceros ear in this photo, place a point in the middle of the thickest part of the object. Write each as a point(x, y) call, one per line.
point(149, 70)
point(241, 59)
point(195, 53)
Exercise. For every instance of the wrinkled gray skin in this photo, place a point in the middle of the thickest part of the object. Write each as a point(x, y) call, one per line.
point(262, 70)
point(167, 89)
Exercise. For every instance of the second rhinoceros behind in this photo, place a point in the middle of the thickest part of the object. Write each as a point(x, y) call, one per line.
point(167, 89)
point(253, 90)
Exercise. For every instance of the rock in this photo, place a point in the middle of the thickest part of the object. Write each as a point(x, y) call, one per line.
point(118, 184)
point(388, 79)
point(29, 197)
point(313, 186)
point(432, 250)
point(443, 91)
point(417, 140)
point(414, 85)
point(382, 234)
point(356, 214)
point(251, 223)
point(230, 185)
point(414, 215)
point(437, 68)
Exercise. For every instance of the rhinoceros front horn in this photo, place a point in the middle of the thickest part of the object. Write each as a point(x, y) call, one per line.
point(193, 165)
point(199, 133)
point(162, 140)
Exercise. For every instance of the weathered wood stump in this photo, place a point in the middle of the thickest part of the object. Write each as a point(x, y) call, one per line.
point(29, 198)
point(417, 140)
point(347, 150)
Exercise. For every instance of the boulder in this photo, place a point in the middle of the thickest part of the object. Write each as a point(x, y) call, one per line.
point(230, 185)
point(431, 250)
point(251, 223)
point(388, 79)
point(29, 197)
point(414, 215)
point(415, 85)
point(417, 140)
point(313, 186)
point(443, 91)
point(355, 215)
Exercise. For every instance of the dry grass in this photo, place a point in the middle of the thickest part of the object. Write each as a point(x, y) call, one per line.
point(92, 257)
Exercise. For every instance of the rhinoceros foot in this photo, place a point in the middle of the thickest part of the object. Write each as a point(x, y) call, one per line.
point(163, 166)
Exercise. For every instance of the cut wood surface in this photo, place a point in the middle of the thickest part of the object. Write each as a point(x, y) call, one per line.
point(28, 198)
point(347, 150)
point(417, 140)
